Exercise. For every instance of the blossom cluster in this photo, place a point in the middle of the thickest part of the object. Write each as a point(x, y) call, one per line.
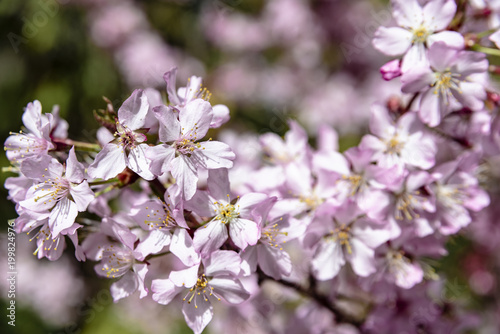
point(221, 217)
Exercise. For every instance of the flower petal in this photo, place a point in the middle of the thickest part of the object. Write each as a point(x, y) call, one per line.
point(223, 262)
point(186, 175)
point(133, 111)
point(244, 232)
point(439, 13)
point(230, 289)
point(125, 286)
point(138, 162)
point(210, 237)
point(170, 127)
point(197, 316)
point(328, 260)
point(108, 163)
point(82, 195)
point(164, 291)
point(214, 154)
point(62, 216)
point(182, 247)
point(393, 41)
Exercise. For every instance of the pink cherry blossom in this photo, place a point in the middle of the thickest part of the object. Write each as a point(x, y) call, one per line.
point(401, 144)
point(236, 216)
point(36, 141)
point(419, 27)
point(218, 280)
point(182, 154)
point(446, 82)
point(62, 190)
point(128, 147)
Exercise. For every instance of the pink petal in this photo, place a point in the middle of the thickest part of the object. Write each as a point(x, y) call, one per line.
point(439, 13)
point(35, 168)
point(141, 270)
point(274, 261)
point(394, 41)
point(164, 291)
point(417, 79)
point(416, 56)
point(182, 247)
point(75, 172)
point(441, 56)
point(469, 62)
point(221, 115)
point(248, 202)
point(195, 119)
point(185, 278)
point(125, 286)
point(327, 260)
point(32, 118)
point(218, 183)
point(230, 289)
point(362, 258)
point(170, 127)
point(472, 95)
point(451, 38)
point(430, 108)
point(82, 195)
point(214, 154)
point(133, 111)
point(222, 262)
point(244, 232)
point(138, 162)
point(62, 216)
point(197, 314)
point(160, 157)
point(210, 237)
point(153, 244)
point(185, 174)
point(169, 78)
point(328, 139)
point(108, 163)
point(407, 13)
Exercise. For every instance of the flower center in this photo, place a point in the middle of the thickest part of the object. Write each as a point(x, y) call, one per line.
point(450, 196)
point(397, 262)
point(127, 138)
point(394, 146)
point(342, 235)
point(186, 146)
point(201, 288)
point(52, 190)
point(44, 240)
point(116, 262)
point(405, 206)
point(311, 201)
point(446, 81)
point(20, 146)
point(270, 233)
point(420, 34)
point(355, 182)
point(158, 219)
point(226, 212)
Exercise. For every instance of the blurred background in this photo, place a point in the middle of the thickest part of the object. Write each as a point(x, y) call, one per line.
point(267, 60)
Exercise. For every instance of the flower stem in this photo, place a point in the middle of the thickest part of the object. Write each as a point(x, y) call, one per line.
point(98, 183)
point(488, 51)
point(105, 190)
point(79, 145)
point(486, 33)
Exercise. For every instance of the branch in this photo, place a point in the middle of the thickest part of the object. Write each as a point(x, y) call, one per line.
point(340, 315)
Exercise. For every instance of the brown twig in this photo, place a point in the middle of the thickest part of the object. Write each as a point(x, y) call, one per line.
point(340, 315)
